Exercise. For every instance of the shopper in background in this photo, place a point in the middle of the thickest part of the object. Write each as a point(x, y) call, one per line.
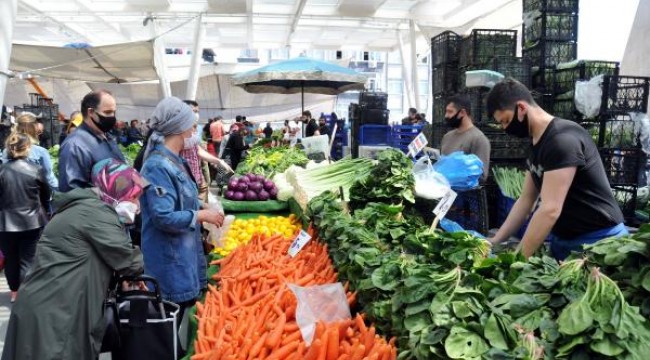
point(44, 138)
point(295, 132)
point(58, 314)
point(465, 136)
point(75, 120)
point(216, 132)
point(286, 133)
point(323, 129)
point(268, 131)
point(410, 119)
point(90, 143)
point(310, 122)
point(133, 134)
point(171, 210)
point(24, 200)
point(26, 125)
point(5, 126)
point(235, 147)
point(564, 170)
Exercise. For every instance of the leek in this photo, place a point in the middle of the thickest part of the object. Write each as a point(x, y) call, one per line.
point(309, 183)
point(510, 181)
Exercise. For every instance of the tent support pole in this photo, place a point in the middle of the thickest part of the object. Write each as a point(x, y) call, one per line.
point(302, 96)
point(159, 60)
point(197, 54)
point(7, 19)
point(405, 73)
point(414, 65)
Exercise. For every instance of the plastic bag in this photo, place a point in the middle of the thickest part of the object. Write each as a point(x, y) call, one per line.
point(588, 96)
point(642, 128)
point(325, 303)
point(217, 233)
point(462, 171)
point(429, 184)
point(452, 226)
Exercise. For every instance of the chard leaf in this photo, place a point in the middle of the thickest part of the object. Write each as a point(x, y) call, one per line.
point(417, 322)
point(606, 347)
point(575, 318)
point(464, 344)
point(493, 333)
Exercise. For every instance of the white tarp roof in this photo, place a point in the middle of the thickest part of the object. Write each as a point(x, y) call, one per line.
point(127, 62)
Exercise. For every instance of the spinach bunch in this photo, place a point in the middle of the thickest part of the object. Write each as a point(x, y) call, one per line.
point(390, 181)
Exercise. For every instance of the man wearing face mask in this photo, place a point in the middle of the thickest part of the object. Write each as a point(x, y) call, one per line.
point(465, 136)
point(565, 172)
point(90, 143)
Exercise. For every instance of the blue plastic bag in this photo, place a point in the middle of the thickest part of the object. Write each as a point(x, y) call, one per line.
point(461, 170)
point(452, 226)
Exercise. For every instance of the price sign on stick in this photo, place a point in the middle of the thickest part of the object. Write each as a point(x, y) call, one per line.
point(417, 144)
point(443, 207)
point(300, 242)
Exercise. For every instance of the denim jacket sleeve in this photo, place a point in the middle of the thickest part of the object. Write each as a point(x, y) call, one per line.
point(163, 199)
point(47, 167)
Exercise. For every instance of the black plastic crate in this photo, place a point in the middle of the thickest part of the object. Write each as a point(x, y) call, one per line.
point(373, 116)
point(545, 101)
point(567, 74)
point(618, 132)
point(354, 112)
point(373, 100)
point(566, 109)
point(565, 6)
point(445, 48)
point(551, 26)
point(546, 54)
point(439, 107)
point(477, 97)
point(445, 79)
point(626, 197)
point(624, 94)
point(438, 130)
point(515, 67)
point(543, 79)
point(621, 165)
point(482, 46)
point(504, 146)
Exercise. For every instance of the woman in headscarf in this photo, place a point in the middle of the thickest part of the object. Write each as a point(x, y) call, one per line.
point(171, 211)
point(58, 313)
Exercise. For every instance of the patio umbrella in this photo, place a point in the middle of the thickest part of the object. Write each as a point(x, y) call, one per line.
point(300, 75)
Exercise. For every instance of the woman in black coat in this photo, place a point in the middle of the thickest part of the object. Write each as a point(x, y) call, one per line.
point(236, 146)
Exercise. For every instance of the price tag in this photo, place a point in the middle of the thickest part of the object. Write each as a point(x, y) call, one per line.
point(418, 144)
point(445, 204)
point(300, 242)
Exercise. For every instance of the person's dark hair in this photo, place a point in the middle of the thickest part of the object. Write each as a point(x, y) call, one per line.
point(461, 102)
point(505, 94)
point(307, 113)
point(219, 117)
point(134, 121)
point(238, 118)
point(191, 103)
point(286, 123)
point(92, 100)
point(334, 117)
point(413, 111)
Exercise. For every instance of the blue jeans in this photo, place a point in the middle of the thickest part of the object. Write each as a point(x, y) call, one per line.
point(561, 249)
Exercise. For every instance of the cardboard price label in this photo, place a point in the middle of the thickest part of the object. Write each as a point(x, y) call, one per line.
point(301, 240)
point(445, 204)
point(419, 143)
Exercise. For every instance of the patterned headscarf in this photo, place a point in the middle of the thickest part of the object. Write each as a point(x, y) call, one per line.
point(117, 181)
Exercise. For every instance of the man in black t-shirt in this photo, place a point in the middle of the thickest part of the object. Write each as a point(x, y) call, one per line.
point(312, 127)
point(564, 171)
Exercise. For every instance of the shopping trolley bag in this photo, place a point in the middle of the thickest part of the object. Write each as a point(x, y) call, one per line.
point(148, 324)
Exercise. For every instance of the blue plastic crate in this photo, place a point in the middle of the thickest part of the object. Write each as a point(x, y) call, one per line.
point(504, 205)
point(375, 135)
point(403, 135)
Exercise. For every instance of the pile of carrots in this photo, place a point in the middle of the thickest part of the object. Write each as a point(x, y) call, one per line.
point(251, 314)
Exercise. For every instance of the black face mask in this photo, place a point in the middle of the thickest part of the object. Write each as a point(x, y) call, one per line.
point(518, 128)
point(454, 122)
point(105, 123)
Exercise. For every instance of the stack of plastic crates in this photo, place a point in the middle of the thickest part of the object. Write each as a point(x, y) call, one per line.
point(372, 134)
point(617, 137)
point(482, 47)
point(402, 135)
point(445, 55)
point(550, 34)
point(564, 83)
point(340, 139)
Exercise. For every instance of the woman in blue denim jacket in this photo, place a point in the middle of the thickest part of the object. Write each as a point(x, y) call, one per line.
point(171, 210)
point(37, 155)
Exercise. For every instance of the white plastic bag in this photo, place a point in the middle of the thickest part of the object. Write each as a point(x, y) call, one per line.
point(642, 128)
point(327, 303)
point(429, 184)
point(588, 96)
point(217, 233)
